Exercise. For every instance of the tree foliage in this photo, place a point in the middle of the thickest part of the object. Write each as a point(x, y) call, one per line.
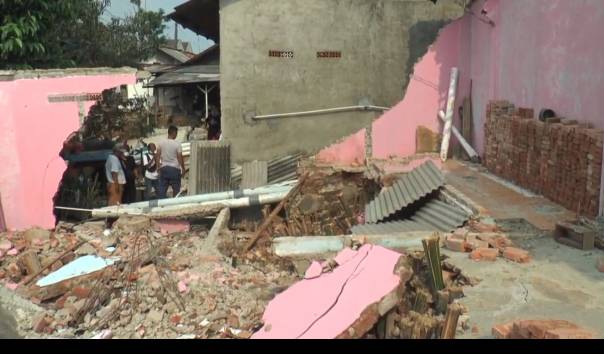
point(69, 33)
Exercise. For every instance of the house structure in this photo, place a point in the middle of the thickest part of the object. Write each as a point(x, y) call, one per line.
point(280, 57)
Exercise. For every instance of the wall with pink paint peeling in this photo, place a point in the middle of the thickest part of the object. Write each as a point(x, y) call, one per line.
point(351, 151)
point(393, 134)
point(540, 53)
point(32, 131)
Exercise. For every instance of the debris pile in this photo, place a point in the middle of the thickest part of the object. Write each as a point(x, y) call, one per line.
point(330, 202)
point(149, 284)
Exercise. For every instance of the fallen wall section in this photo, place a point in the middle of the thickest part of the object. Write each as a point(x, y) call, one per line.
point(354, 295)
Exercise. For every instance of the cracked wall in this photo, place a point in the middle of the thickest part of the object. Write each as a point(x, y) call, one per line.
point(379, 41)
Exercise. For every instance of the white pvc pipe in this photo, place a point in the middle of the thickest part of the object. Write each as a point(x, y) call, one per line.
point(200, 198)
point(444, 148)
point(220, 204)
point(322, 111)
point(471, 152)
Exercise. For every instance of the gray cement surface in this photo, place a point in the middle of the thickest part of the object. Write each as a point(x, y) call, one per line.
point(559, 283)
point(8, 325)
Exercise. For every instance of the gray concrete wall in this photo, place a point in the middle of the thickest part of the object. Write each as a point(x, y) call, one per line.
point(380, 40)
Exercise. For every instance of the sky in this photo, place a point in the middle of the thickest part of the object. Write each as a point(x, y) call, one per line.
point(121, 8)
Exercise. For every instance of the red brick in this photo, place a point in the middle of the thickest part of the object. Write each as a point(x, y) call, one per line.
point(599, 265)
point(484, 254)
point(475, 244)
point(502, 331)
point(41, 322)
point(455, 244)
point(80, 292)
point(568, 333)
point(175, 319)
point(461, 233)
point(495, 240)
point(481, 227)
point(516, 255)
point(2, 274)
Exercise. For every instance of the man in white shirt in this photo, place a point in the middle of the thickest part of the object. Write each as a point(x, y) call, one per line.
point(170, 163)
point(151, 174)
point(116, 178)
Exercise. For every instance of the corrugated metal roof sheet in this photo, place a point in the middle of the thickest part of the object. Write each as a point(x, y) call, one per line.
point(176, 54)
point(188, 75)
point(279, 170)
point(434, 216)
point(406, 190)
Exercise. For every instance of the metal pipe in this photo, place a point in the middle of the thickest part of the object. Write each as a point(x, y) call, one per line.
point(182, 208)
point(321, 111)
point(200, 198)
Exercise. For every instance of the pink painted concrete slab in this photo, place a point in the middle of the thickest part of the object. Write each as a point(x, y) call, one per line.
point(314, 270)
point(325, 307)
point(345, 255)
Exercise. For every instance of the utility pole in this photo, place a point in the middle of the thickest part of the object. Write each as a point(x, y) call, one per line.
point(175, 32)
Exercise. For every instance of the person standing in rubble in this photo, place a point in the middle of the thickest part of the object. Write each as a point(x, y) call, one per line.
point(129, 166)
point(151, 174)
point(116, 178)
point(170, 163)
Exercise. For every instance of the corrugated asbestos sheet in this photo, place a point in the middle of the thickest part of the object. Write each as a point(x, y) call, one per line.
point(434, 216)
point(406, 190)
point(255, 174)
point(279, 170)
point(209, 169)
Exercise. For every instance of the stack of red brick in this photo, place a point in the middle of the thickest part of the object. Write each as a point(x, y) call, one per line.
point(562, 161)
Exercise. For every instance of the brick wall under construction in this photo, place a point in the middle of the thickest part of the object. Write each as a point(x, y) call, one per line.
point(559, 160)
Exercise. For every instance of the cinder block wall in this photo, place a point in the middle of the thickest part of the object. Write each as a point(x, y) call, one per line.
point(561, 161)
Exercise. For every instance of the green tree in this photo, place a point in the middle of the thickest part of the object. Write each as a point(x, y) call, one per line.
point(69, 33)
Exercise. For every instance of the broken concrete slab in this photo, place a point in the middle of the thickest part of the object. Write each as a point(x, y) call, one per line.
point(328, 306)
point(316, 245)
point(81, 266)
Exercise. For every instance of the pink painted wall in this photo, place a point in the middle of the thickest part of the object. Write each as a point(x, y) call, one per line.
point(541, 53)
point(351, 151)
point(393, 134)
point(32, 131)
